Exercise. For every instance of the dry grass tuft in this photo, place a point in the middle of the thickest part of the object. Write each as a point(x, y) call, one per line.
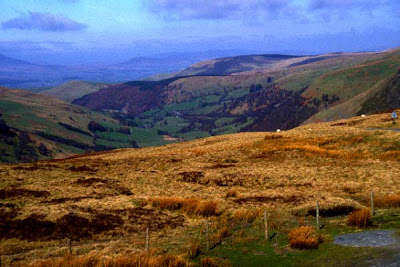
point(190, 206)
point(390, 156)
point(246, 215)
point(207, 208)
point(360, 218)
point(273, 136)
point(209, 262)
point(194, 249)
point(94, 260)
point(304, 237)
point(232, 193)
point(167, 203)
point(389, 201)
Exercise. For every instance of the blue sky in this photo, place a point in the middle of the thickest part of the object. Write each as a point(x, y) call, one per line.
point(78, 31)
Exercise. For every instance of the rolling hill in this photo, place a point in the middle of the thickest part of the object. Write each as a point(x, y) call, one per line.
point(36, 127)
point(104, 201)
point(72, 90)
point(252, 93)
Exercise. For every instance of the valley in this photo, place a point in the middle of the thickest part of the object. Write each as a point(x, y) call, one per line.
point(216, 97)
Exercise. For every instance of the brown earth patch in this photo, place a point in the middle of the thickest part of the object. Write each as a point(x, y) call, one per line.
point(222, 166)
point(191, 177)
point(104, 182)
point(293, 199)
point(20, 192)
point(71, 225)
point(332, 211)
point(82, 168)
point(66, 199)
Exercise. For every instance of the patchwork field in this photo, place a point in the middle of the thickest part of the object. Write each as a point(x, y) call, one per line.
point(104, 201)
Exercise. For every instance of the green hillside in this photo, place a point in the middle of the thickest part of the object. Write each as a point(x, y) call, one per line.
point(36, 127)
point(71, 90)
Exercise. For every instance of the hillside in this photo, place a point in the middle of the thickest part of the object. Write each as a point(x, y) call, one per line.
point(105, 201)
point(250, 93)
point(72, 90)
point(38, 127)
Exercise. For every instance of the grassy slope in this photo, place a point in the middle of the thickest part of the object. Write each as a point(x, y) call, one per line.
point(336, 163)
point(74, 89)
point(33, 113)
point(203, 100)
point(355, 85)
point(353, 77)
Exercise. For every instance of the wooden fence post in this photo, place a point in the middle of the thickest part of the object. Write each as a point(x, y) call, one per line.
point(317, 215)
point(207, 235)
point(372, 204)
point(69, 244)
point(147, 240)
point(265, 224)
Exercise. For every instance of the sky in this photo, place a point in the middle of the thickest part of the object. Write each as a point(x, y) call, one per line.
point(94, 31)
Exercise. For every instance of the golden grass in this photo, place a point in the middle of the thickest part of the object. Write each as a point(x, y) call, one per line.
point(288, 171)
point(244, 215)
point(194, 249)
point(360, 218)
point(391, 155)
point(210, 262)
point(190, 206)
point(167, 203)
point(93, 260)
point(232, 193)
point(303, 237)
point(388, 201)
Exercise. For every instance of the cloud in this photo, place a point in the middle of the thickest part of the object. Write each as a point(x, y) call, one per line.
point(345, 4)
point(46, 22)
point(215, 9)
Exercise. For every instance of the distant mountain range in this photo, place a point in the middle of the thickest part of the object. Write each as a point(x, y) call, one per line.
point(36, 77)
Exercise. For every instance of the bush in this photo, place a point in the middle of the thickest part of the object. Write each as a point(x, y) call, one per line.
point(96, 127)
point(303, 237)
point(124, 130)
point(360, 218)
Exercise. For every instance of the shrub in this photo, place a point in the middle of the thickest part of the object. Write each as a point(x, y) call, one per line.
point(303, 237)
point(360, 218)
point(389, 201)
point(96, 127)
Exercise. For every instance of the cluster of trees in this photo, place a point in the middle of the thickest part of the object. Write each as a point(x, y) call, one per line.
point(97, 127)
